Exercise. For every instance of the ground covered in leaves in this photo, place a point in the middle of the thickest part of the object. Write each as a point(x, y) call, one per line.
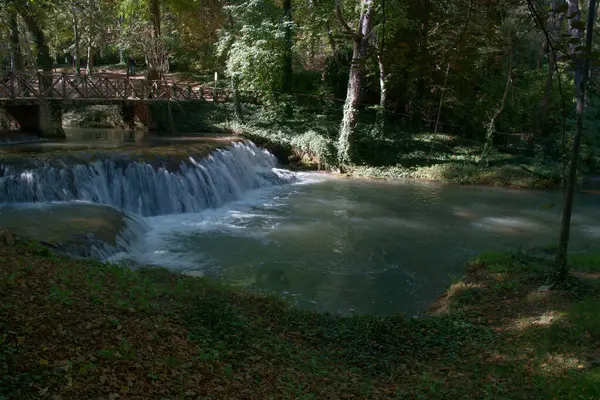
point(81, 329)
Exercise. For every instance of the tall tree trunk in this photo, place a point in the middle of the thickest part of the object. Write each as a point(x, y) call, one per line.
point(417, 112)
point(355, 78)
point(90, 57)
point(287, 56)
point(77, 44)
point(380, 62)
point(16, 56)
point(544, 103)
point(155, 15)
point(489, 138)
point(582, 68)
point(237, 104)
point(44, 61)
point(153, 73)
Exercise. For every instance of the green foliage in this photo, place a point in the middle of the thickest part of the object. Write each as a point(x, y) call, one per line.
point(255, 48)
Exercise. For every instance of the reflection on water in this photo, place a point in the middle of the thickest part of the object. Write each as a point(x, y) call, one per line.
point(368, 247)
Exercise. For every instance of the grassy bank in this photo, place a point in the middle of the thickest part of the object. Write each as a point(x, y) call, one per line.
point(448, 159)
point(81, 329)
point(439, 157)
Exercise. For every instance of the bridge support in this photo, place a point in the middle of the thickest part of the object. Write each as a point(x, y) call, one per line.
point(140, 110)
point(43, 118)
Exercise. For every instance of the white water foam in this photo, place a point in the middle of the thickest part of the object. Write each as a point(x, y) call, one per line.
point(139, 187)
point(202, 195)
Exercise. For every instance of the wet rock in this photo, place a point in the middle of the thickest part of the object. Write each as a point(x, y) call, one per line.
point(78, 229)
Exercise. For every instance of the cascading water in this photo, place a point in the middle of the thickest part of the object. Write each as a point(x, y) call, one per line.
point(141, 188)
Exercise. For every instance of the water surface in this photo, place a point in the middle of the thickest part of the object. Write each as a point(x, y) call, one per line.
point(360, 246)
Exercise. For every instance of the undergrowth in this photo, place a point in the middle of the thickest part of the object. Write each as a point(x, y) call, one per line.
point(82, 329)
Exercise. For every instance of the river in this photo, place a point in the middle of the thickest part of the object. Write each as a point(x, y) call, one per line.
point(324, 243)
point(357, 246)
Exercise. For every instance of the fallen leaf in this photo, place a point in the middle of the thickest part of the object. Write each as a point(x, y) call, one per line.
point(44, 361)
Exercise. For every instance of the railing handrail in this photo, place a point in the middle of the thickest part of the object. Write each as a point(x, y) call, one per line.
point(63, 85)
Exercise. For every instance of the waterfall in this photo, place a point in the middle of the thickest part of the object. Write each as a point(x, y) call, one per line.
point(146, 190)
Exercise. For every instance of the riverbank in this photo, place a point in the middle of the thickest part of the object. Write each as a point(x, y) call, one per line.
point(82, 329)
point(438, 158)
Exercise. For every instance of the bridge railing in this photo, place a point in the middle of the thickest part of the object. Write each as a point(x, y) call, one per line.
point(41, 85)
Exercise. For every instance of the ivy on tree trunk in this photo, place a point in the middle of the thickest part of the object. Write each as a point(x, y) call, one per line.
point(356, 77)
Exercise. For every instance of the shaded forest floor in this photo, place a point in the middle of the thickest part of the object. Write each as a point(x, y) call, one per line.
point(82, 329)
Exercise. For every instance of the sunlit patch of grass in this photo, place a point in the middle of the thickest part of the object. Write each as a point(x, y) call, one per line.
point(545, 319)
point(558, 363)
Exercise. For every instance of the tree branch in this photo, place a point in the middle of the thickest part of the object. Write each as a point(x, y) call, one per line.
point(340, 17)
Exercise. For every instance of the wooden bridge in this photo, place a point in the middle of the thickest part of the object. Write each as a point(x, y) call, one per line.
point(98, 88)
point(35, 99)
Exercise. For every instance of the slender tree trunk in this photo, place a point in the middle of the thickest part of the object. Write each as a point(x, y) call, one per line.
point(355, 79)
point(382, 85)
point(417, 112)
point(544, 103)
point(237, 104)
point(77, 44)
point(16, 55)
point(90, 57)
point(153, 73)
point(582, 69)
point(492, 126)
point(287, 57)
point(380, 61)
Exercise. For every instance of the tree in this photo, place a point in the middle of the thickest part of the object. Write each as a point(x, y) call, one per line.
point(287, 55)
point(360, 51)
point(581, 60)
point(153, 46)
point(28, 14)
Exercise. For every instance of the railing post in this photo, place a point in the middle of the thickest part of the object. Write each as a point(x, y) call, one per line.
point(125, 84)
point(106, 84)
point(85, 86)
point(189, 92)
point(215, 88)
point(40, 85)
point(64, 85)
point(13, 84)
